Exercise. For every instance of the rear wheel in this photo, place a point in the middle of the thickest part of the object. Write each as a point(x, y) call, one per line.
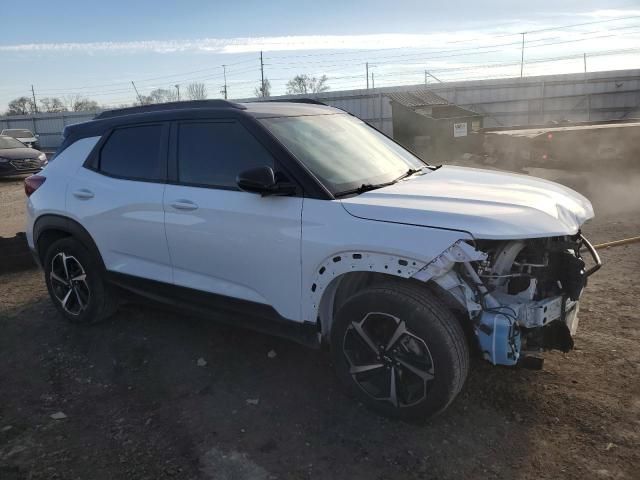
point(75, 283)
point(399, 350)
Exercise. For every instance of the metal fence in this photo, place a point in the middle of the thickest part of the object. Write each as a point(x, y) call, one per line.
point(48, 126)
point(593, 96)
point(511, 102)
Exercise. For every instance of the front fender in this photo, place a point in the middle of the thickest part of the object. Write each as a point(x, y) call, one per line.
point(335, 243)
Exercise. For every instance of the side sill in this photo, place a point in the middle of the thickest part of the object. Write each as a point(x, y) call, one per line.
point(232, 311)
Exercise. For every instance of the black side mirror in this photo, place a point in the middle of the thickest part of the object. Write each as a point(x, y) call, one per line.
point(262, 180)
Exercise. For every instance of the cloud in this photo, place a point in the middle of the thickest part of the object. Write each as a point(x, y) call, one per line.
point(426, 41)
point(246, 44)
point(610, 18)
point(611, 13)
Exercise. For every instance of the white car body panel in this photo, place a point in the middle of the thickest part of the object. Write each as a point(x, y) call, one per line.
point(126, 220)
point(52, 199)
point(488, 204)
point(237, 244)
point(29, 140)
point(329, 231)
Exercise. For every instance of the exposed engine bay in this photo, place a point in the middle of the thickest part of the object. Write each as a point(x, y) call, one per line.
point(521, 295)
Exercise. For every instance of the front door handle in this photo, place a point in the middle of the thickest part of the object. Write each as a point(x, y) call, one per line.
point(184, 205)
point(83, 194)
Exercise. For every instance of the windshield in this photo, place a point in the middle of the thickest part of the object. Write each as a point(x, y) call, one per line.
point(18, 133)
point(342, 151)
point(8, 142)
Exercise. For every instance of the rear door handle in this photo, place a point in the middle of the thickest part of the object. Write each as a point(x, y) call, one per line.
point(184, 205)
point(83, 194)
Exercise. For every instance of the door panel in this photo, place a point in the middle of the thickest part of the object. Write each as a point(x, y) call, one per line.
point(236, 244)
point(125, 219)
point(121, 204)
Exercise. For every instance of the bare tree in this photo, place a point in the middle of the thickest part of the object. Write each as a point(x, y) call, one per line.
point(196, 91)
point(52, 105)
point(78, 103)
point(21, 106)
point(86, 105)
point(264, 90)
point(306, 84)
point(161, 95)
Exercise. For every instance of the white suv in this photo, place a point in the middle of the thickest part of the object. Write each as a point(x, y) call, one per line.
point(300, 220)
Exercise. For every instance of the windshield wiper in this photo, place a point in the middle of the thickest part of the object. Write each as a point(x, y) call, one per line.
point(408, 173)
point(365, 187)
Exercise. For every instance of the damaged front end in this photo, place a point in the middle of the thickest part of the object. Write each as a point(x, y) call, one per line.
point(521, 295)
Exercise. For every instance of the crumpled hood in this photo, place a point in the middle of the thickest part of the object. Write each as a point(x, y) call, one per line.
point(485, 203)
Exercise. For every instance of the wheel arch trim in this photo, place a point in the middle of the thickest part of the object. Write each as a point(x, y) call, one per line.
point(61, 223)
point(320, 295)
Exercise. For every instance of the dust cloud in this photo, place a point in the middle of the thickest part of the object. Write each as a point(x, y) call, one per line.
point(610, 192)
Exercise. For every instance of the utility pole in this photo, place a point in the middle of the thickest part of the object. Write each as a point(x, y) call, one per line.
point(522, 56)
point(35, 105)
point(224, 71)
point(373, 81)
point(261, 75)
point(366, 66)
point(178, 90)
point(587, 97)
point(138, 94)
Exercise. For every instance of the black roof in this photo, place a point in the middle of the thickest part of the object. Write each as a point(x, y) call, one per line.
point(194, 110)
point(258, 109)
point(159, 107)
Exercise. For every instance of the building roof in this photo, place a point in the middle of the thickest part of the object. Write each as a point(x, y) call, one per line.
point(417, 98)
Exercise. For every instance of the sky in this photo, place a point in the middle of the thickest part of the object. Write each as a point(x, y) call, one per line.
point(95, 49)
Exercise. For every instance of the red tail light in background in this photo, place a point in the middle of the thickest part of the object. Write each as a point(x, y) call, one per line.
point(32, 183)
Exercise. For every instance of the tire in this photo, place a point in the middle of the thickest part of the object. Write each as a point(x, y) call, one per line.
point(78, 290)
point(428, 358)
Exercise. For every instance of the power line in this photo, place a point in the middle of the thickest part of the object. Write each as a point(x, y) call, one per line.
point(559, 27)
point(469, 50)
point(400, 60)
point(150, 79)
point(446, 53)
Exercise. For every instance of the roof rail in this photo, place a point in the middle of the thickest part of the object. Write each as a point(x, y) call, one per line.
point(158, 107)
point(311, 101)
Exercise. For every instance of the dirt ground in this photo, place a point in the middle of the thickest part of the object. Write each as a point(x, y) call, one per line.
point(139, 402)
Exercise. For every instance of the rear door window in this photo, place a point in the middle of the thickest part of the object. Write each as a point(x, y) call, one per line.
point(134, 153)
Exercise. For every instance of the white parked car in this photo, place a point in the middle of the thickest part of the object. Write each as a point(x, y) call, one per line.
point(300, 220)
point(24, 135)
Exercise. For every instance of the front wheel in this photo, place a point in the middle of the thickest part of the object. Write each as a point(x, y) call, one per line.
point(399, 350)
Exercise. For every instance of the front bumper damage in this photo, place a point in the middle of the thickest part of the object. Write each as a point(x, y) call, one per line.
point(522, 296)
